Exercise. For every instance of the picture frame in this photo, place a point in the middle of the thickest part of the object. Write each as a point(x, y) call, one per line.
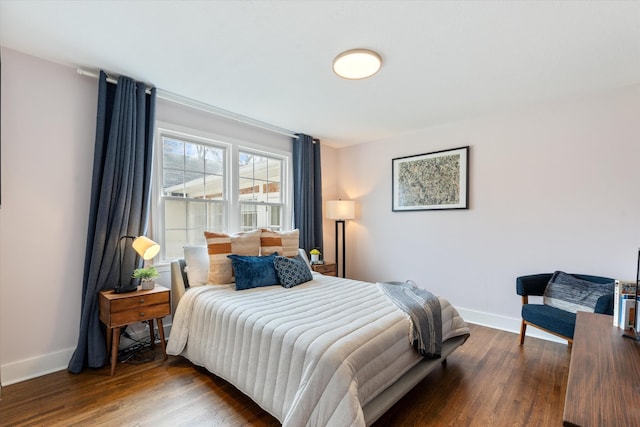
point(431, 181)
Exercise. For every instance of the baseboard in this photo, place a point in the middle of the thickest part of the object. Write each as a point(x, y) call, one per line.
point(27, 369)
point(504, 323)
point(34, 367)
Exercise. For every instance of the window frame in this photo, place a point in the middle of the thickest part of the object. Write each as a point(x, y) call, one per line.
point(233, 147)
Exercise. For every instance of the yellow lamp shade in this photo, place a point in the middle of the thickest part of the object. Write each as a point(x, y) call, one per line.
point(145, 247)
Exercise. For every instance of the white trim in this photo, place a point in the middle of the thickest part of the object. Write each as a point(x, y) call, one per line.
point(34, 367)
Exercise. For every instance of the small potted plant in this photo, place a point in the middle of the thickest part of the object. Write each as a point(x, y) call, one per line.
point(315, 256)
point(147, 275)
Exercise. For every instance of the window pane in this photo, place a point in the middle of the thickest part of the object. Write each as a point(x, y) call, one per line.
point(173, 182)
point(245, 164)
point(175, 214)
point(249, 189)
point(248, 217)
point(174, 241)
point(172, 164)
point(254, 216)
point(214, 187)
point(214, 160)
point(272, 190)
point(194, 157)
point(216, 218)
point(194, 185)
point(196, 215)
point(275, 217)
point(273, 170)
point(172, 153)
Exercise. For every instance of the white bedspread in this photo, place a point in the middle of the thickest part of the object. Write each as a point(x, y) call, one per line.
point(312, 355)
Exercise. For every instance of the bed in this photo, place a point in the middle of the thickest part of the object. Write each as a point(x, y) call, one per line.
point(330, 351)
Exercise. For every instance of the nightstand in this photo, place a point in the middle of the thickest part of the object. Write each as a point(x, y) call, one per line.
point(118, 310)
point(328, 268)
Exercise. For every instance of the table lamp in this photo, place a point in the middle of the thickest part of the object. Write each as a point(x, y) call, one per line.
point(144, 247)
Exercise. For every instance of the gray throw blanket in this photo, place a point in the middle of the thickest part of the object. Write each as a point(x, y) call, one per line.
point(423, 308)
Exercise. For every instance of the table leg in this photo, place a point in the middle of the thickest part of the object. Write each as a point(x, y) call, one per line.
point(161, 333)
point(152, 336)
point(109, 335)
point(114, 349)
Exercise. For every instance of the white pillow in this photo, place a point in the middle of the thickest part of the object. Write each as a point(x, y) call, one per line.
point(303, 254)
point(196, 259)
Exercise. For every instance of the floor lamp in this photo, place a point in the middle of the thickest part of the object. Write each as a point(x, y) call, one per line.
point(341, 210)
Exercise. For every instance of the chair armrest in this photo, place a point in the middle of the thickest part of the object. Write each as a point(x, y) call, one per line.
point(534, 284)
point(604, 305)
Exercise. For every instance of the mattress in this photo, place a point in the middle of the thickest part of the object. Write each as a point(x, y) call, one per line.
point(312, 355)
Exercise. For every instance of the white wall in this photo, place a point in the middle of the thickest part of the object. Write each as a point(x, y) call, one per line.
point(553, 188)
point(48, 132)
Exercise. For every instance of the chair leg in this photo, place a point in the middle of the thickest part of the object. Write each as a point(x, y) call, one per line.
point(523, 330)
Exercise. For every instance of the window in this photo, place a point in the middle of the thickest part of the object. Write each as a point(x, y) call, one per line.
point(201, 188)
point(193, 192)
point(260, 179)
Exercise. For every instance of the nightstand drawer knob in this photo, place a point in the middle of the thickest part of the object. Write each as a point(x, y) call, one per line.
point(141, 300)
point(142, 314)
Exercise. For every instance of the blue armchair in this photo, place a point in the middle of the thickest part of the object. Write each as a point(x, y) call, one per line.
point(551, 319)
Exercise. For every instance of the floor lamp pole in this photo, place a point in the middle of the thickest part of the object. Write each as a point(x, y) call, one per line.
point(344, 264)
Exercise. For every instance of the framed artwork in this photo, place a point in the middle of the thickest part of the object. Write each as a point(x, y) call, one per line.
point(431, 181)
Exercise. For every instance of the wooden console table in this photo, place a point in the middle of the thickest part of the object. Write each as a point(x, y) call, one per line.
point(603, 388)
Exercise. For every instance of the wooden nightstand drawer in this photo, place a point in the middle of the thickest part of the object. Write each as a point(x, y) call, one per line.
point(328, 268)
point(139, 301)
point(139, 314)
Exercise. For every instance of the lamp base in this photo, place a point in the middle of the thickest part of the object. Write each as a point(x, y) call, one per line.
point(124, 290)
point(132, 286)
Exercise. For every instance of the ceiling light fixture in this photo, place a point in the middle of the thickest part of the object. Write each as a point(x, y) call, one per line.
point(357, 64)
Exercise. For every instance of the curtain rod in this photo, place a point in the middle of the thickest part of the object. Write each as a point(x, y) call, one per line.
point(201, 106)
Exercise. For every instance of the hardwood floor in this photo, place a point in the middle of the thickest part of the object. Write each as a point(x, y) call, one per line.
point(489, 381)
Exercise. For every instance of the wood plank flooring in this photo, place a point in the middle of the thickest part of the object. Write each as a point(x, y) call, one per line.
point(489, 381)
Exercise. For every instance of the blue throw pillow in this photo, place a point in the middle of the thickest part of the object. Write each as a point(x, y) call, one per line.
point(572, 294)
point(253, 271)
point(292, 271)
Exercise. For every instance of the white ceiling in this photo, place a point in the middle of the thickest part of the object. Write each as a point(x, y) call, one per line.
point(271, 60)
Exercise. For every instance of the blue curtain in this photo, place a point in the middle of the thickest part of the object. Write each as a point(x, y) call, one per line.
point(307, 191)
point(120, 198)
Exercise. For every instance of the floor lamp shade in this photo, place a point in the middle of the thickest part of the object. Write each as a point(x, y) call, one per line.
point(341, 210)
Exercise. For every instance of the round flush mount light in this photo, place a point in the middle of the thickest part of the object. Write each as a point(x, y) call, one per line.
point(357, 64)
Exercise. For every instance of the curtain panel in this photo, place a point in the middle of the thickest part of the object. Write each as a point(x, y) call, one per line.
point(307, 191)
point(120, 199)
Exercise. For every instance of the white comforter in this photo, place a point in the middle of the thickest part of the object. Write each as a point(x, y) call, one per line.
point(312, 355)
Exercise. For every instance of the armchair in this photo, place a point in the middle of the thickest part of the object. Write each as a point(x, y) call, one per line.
point(551, 319)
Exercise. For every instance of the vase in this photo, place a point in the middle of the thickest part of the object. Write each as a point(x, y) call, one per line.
point(147, 285)
point(315, 258)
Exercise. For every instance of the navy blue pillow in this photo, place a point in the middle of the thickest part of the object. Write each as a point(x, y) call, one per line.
point(254, 271)
point(292, 271)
